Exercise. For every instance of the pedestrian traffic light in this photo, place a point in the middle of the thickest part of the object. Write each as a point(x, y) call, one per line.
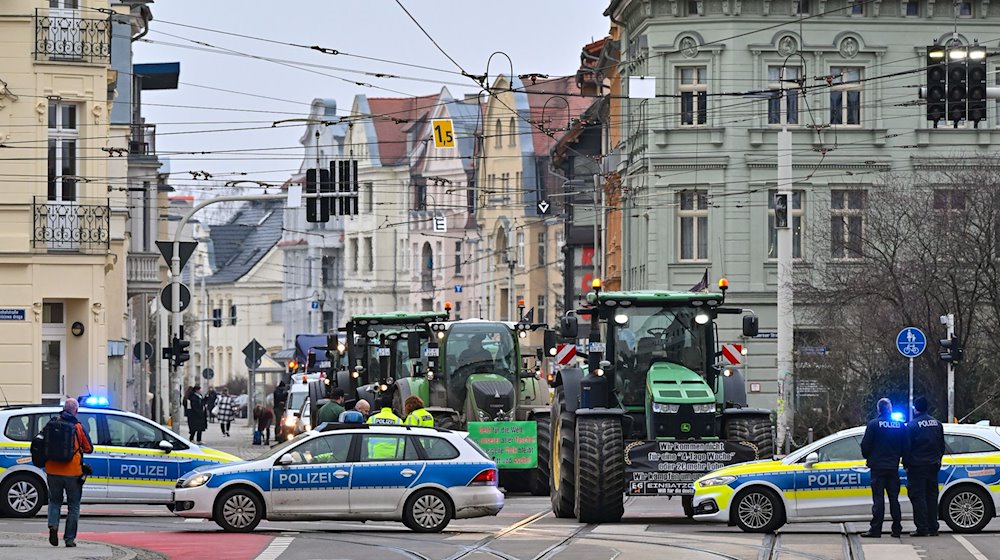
point(977, 84)
point(179, 351)
point(780, 211)
point(958, 93)
point(952, 350)
point(936, 84)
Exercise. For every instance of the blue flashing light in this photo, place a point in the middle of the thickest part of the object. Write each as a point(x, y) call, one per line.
point(898, 416)
point(96, 401)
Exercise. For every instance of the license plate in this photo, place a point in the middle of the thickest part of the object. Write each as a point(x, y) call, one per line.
point(383, 351)
point(433, 352)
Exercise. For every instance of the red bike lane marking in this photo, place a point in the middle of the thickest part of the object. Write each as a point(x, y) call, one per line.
point(188, 545)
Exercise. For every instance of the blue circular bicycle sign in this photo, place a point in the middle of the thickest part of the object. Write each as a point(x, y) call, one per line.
point(911, 342)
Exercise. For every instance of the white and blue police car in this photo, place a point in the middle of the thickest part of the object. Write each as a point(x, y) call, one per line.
point(135, 461)
point(827, 480)
point(424, 477)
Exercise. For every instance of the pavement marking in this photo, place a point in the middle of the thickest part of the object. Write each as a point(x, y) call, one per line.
point(275, 549)
point(892, 552)
point(968, 546)
point(195, 520)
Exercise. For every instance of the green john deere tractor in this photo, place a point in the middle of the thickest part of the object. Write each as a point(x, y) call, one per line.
point(653, 375)
point(475, 380)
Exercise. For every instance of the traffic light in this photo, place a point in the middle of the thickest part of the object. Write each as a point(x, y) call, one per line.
point(958, 92)
point(293, 366)
point(179, 351)
point(952, 350)
point(318, 209)
point(936, 84)
point(780, 211)
point(977, 84)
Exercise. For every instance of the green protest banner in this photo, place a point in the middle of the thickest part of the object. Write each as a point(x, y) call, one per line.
point(513, 445)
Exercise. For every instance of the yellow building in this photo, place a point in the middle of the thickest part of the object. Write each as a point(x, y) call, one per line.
point(62, 234)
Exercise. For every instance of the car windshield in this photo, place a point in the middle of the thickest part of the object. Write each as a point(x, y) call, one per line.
point(642, 336)
point(295, 399)
point(402, 363)
point(479, 348)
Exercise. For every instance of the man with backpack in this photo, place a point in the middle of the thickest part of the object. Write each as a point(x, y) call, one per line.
point(65, 443)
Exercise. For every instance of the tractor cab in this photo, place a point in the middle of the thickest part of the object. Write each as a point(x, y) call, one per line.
point(478, 363)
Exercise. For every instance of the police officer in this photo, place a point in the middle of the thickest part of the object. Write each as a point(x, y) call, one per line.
point(416, 414)
point(884, 444)
point(922, 463)
point(385, 415)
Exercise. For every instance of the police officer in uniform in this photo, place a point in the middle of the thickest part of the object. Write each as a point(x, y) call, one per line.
point(416, 414)
point(923, 463)
point(884, 444)
point(385, 415)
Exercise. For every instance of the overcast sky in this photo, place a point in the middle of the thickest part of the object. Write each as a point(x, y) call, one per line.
point(540, 36)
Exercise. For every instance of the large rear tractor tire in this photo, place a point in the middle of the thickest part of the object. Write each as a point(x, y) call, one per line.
point(562, 471)
point(539, 484)
point(600, 463)
point(758, 431)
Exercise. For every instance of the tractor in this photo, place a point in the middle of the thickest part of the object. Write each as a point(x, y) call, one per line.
point(652, 375)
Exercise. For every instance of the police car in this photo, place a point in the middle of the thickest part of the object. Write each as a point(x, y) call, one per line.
point(424, 477)
point(828, 481)
point(135, 461)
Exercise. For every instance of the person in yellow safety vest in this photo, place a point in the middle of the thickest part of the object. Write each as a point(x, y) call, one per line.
point(384, 447)
point(415, 413)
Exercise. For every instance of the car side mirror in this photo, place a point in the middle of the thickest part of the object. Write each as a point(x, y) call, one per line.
point(751, 325)
point(286, 460)
point(812, 459)
point(569, 326)
point(165, 446)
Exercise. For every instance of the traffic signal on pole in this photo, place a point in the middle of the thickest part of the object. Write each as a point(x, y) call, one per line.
point(318, 209)
point(958, 91)
point(977, 84)
point(952, 350)
point(936, 84)
point(179, 351)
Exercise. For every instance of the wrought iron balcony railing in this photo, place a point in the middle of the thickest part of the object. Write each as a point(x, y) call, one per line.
point(61, 35)
point(143, 142)
point(71, 226)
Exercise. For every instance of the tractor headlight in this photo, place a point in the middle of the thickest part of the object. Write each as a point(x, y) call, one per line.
point(716, 481)
point(197, 480)
point(666, 408)
point(704, 408)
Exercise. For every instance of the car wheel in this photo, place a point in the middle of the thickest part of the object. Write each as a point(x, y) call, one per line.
point(238, 510)
point(427, 511)
point(967, 509)
point(23, 495)
point(758, 510)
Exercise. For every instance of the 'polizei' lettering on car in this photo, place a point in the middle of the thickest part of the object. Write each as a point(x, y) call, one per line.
point(835, 479)
point(144, 470)
point(304, 478)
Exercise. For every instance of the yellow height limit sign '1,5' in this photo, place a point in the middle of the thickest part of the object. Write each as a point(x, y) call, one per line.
point(444, 133)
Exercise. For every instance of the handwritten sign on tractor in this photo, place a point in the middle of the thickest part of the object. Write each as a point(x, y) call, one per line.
point(513, 445)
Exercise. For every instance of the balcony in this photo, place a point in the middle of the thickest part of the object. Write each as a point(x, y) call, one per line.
point(61, 35)
point(143, 273)
point(143, 142)
point(71, 226)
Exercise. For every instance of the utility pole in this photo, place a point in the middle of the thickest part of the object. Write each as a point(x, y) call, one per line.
point(204, 324)
point(786, 321)
point(950, 324)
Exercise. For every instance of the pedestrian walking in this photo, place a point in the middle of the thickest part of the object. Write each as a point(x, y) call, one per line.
point(265, 417)
point(197, 422)
point(385, 415)
point(922, 462)
point(211, 397)
point(65, 444)
point(883, 445)
point(415, 413)
point(331, 411)
point(280, 402)
point(225, 410)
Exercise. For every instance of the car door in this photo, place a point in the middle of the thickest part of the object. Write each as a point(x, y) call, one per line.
point(968, 456)
point(138, 470)
point(835, 486)
point(317, 481)
point(96, 487)
point(388, 465)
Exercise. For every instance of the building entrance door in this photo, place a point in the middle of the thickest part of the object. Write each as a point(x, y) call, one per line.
point(53, 353)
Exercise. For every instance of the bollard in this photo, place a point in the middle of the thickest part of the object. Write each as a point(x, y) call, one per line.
point(809, 436)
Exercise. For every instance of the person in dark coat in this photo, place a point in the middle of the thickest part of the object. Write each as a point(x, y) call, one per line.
point(197, 416)
point(923, 464)
point(884, 444)
point(280, 403)
point(264, 416)
point(210, 399)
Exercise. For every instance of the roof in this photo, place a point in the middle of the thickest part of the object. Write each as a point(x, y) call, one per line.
point(553, 114)
point(392, 116)
point(660, 297)
point(400, 317)
point(238, 245)
point(158, 75)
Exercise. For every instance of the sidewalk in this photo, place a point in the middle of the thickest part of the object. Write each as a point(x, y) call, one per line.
point(19, 546)
point(240, 443)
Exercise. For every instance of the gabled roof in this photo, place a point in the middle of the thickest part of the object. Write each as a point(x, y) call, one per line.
point(556, 115)
point(238, 245)
point(392, 116)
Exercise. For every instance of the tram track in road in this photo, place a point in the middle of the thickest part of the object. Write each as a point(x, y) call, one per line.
point(771, 549)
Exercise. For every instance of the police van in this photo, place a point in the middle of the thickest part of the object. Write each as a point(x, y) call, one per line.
point(135, 461)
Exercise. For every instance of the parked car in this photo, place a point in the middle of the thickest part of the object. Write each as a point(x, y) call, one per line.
point(424, 477)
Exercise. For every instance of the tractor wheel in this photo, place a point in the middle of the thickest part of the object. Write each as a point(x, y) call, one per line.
point(600, 462)
point(758, 431)
point(562, 465)
point(539, 484)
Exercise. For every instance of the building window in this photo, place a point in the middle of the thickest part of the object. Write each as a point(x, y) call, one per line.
point(801, 7)
point(63, 136)
point(498, 141)
point(520, 250)
point(326, 270)
point(857, 9)
point(693, 91)
point(846, 223)
point(845, 95)
point(964, 9)
point(369, 195)
point(232, 314)
point(458, 311)
point(540, 311)
point(692, 7)
point(795, 215)
point(949, 199)
point(505, 183)
point(783, 81)
point(458, 257)
point(369, 254)
point(511, 135)
point(354, 255)
point(913, 8)
point(277, 307)
point(693, 214)
point(52, 313)
point(440, 254)
point(543, 240)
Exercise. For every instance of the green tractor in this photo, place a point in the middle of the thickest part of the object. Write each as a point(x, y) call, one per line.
point(475, 380)
point(653, 377)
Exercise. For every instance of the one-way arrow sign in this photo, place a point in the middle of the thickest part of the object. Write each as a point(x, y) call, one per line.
point(167, 250)
point(543, 207)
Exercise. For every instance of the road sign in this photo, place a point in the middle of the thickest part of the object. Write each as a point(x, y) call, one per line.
point(440, 224)
point(142, 351)
point(733, 353)
point(254, 352)
point(911, 342)
point(166, 298)
point(543, 207)
point(208, 373)
point(565, 353)
point(314, 305)
point(458, 288)
point(167, 250)
point(444, 133)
